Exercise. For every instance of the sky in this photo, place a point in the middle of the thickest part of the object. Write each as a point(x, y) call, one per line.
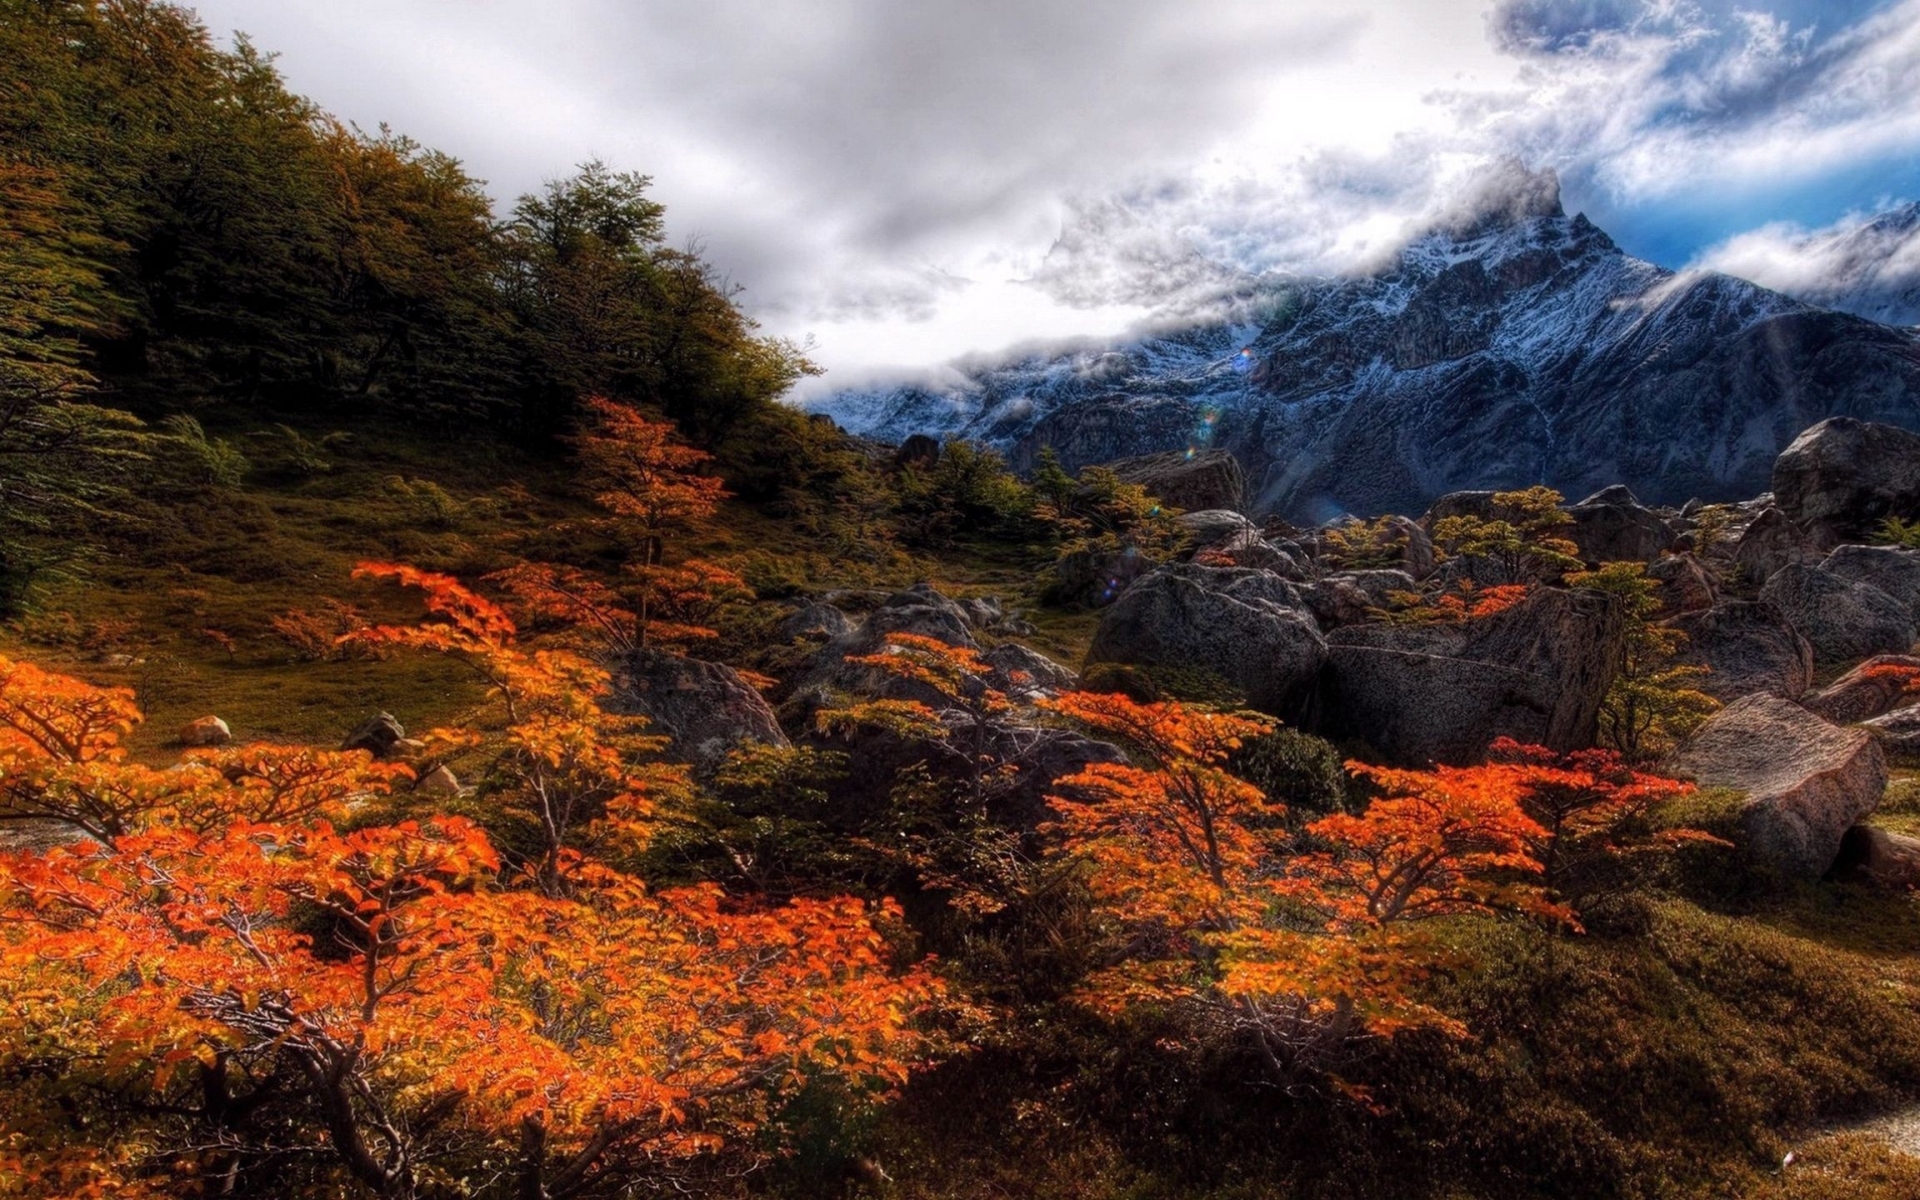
point(907, 181)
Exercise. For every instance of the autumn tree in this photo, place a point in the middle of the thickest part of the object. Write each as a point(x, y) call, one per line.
point(1300, 945)
point(562, 770)
point(1378, 544)
point(1651, 703)
point(382, 999)
point(1597, 815)
point(1519, 541)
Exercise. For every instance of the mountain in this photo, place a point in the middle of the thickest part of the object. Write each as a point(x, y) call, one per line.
point(1512, 346)
point(1870, 268)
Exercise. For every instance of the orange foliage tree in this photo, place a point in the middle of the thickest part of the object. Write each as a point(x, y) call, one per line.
point(389, 992)
point(1307, 945)
point(959, 721)
point(562, 769)
point(650, 485)
point(230, 991)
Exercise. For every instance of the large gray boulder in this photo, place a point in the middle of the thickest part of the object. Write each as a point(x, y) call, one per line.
point(1685, 584)
point(1898, 733)
point(1217, 527)
point(1772, 541)
point(1747, 647)
point(1895, 570)
point(706, 708)
point(1249, 628)
point(1612, 526)
point(1872, 855)
point(1842, 620)
point(1876, 686)
point(814, 622)
point(1536, 672)
point(1807, 780)
point(1209, 479)
point(1842, 477)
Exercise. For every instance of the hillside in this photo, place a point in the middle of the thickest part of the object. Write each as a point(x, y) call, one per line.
point(464, 736)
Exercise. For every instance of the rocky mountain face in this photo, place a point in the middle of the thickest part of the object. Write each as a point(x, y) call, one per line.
point(1516, 347)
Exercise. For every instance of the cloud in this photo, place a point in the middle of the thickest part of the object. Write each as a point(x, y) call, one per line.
point(911, 181)
point(1866, 264)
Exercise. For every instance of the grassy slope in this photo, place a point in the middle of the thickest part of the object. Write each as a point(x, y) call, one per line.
point(1684, 1061)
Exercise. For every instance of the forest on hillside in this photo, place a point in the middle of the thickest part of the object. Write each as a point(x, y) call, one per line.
point(461, 735)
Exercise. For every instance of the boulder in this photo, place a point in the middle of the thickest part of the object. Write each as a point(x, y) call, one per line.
point(1216, 527)
point(1842, 477)
point(376, 736)
point(1898, 733)
point(815, 622)
point(1612, 526)
point(1249, 628)
point(1747, 647)
point(1027, 674)
point(407, 750)
point(1895, 570)
point(1873, 855)
point(205, 731)
point(706, 708)
point(1411, 547)
point(441, 781)
point(1770, 542)
point(1685, 585)
point(1878, 685)
point(919, 451)
point(1459, 504)
point(983, 612)
point(1096, 578)
point(923, 612)
point(1807, 780)
point(1536, 672)
point(1209, 479)
point(1842, 620)
point(1416, 556)
point(923, 595)
point(1350, 597)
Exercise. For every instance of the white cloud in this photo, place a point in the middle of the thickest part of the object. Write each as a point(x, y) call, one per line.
point(1868, 264)
point(883, 175)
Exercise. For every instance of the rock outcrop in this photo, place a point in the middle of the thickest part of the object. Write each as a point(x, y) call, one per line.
point(1843, 476)
point(705, 708)
point(1248, 628)
point(1186, 480)
point(1807, 780)
point(376, 736)
point(1612, 526)
point(205, 731)
point(1747, 647)
point(1843, 621)
point(1872, 855)
point(1875, 687)
point(1536, 672)
point(1895, 570)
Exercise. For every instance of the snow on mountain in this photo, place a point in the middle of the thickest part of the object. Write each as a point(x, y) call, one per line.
point(1868, 267)
point(1516, 345)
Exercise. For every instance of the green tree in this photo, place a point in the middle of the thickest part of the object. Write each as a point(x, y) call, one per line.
point(1519, 542)
point(1651, 703)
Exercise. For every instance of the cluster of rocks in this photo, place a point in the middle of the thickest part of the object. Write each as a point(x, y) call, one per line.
point(1769, 594)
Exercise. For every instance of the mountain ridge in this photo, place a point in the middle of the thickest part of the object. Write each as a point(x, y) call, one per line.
point(1509, 345)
